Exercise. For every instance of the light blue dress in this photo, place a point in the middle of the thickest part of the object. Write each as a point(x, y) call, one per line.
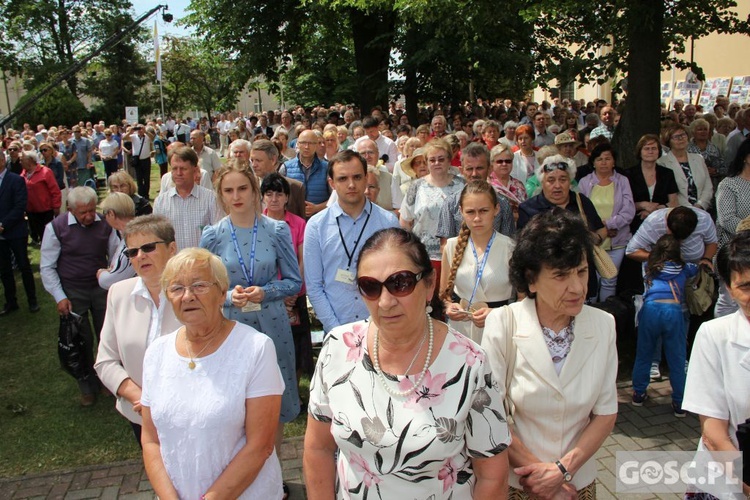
point(277, 272)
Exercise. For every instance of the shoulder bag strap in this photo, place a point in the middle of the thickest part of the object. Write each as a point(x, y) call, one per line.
point(580, 209)
point(510, 359)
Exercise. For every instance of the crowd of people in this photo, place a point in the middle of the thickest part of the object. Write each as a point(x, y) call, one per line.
point(460, 268)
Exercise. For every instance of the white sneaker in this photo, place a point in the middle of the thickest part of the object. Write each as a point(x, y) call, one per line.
point(655, 374)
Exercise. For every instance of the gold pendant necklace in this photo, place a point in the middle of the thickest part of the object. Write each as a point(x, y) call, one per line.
point(191, 363)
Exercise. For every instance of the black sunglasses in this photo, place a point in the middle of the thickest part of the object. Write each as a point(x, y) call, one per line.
point(398, 284)
point(147, 248)
point(551, 167)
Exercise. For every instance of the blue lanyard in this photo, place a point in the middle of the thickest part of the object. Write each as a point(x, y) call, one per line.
point(480, 266)
point(248, 274)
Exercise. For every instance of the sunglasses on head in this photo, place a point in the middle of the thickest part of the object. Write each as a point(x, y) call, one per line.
point(398, 284)
point(147, 248)
point(551, 167)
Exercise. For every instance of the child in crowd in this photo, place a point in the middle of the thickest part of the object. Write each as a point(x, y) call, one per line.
point(662, 316)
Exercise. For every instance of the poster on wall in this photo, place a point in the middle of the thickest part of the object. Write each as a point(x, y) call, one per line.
point(712, 88)
point(682, 91)
point(666, 93)
point(740, 92)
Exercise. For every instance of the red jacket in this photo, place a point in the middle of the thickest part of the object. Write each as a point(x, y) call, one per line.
point(44, 194)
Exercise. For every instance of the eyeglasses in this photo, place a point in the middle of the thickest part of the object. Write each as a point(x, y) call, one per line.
point(12, 149)
point(306, 143)
point(551, 167)
point(197, 288)
point(398, 284)
point(147, 248)
point(44, 150)
point(679, 137)
point(504, 162)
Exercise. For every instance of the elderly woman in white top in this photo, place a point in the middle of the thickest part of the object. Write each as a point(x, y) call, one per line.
point(690, 171)
point(718, 384)
point(558, 360)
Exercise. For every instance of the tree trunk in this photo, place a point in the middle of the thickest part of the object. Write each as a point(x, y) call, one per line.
point(642, 106)
point(373, 35)
point(410, 75)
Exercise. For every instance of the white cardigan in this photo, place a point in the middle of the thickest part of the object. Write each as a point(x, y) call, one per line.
point(700, 176)
point(549, 412)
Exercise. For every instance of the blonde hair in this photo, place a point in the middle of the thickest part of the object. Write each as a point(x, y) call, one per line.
point(120, 204)
point(473, 187)
point(236, 165)
point(438, 144)
point(189, 258)
point(122, 177)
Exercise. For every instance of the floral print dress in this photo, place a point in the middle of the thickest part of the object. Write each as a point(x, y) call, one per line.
point(416, 447)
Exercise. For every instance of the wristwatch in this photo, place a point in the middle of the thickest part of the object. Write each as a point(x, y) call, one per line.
point(567, 477)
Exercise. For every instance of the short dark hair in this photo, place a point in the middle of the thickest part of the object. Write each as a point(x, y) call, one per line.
point(343, 157)
point(681, 222)
point(397, 239)
point(557, 238)
point(600, 149)
point(642, 143)
point(370, 122)
point(734, 256)
point(274, 182)
point(476, 150)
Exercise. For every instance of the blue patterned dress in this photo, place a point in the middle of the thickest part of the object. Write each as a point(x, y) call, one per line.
point(277, 272)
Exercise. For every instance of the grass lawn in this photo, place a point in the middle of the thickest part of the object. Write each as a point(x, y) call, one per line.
point(44, 427)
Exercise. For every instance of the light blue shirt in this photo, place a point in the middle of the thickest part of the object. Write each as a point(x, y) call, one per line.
point(336, 303)
point(692, 247)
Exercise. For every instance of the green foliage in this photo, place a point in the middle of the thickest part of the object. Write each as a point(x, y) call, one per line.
point(197, 74)
point(59, 107)
point(591, 38)
point(50, 35)
point(119, 76)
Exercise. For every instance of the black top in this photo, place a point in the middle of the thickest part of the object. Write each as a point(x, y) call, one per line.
point(538, 204)
point(665, 185)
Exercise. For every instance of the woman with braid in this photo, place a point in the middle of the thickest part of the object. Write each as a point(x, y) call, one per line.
point(475, 264)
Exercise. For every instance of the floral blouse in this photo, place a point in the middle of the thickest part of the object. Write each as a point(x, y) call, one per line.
point(416, 447)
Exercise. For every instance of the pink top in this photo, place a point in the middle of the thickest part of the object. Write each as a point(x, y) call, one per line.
point(297, 228)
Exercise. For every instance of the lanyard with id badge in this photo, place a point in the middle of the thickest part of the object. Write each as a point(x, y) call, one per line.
point(345, 275)
point(248, 274)
point(470, 306)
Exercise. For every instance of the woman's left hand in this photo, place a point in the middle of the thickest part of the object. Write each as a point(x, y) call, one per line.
point(480, 316)
point(542, 479)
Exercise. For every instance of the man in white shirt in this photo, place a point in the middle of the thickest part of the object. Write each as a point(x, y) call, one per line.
point(142, 149)
point(187, 205)
point(223, 127)
point(386, 147)
point(209, 160)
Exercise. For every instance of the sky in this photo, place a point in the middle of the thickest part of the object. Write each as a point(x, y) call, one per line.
point(176, 7)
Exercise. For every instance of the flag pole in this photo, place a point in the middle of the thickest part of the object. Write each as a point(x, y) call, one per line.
point(157, 54)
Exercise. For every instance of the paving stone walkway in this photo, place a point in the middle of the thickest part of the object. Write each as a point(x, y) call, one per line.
point(651, 427)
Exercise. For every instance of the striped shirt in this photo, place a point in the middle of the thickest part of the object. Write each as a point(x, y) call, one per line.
point(189, 215)
point(655, 226)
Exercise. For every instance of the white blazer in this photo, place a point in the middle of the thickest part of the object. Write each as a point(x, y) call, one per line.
point(122, 343)
point(700, 176)
point(547, 412)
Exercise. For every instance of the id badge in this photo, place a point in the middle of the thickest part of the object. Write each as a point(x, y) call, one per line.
point(345, 276)
point(251, 307)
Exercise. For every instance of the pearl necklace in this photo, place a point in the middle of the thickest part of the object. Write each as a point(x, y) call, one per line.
point(384, 381)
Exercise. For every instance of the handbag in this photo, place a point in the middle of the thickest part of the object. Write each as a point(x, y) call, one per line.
point(602, 261)
point(71, 348)
point(699, 294)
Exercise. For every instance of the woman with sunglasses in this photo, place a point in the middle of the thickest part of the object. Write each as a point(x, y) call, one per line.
point(137, 314)
point(475, 264)
point(259, 254)
point(556, 361)
point(556, 175)
point(211, 394)
point(408, 402)
point(501, 161)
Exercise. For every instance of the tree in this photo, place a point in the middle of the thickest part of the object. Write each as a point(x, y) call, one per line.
point(49, 35)
point(601, 39)
point(197, 75)
point(59, 107)
point(118, 77)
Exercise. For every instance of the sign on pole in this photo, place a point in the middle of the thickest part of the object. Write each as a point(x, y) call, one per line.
point(131, 114)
